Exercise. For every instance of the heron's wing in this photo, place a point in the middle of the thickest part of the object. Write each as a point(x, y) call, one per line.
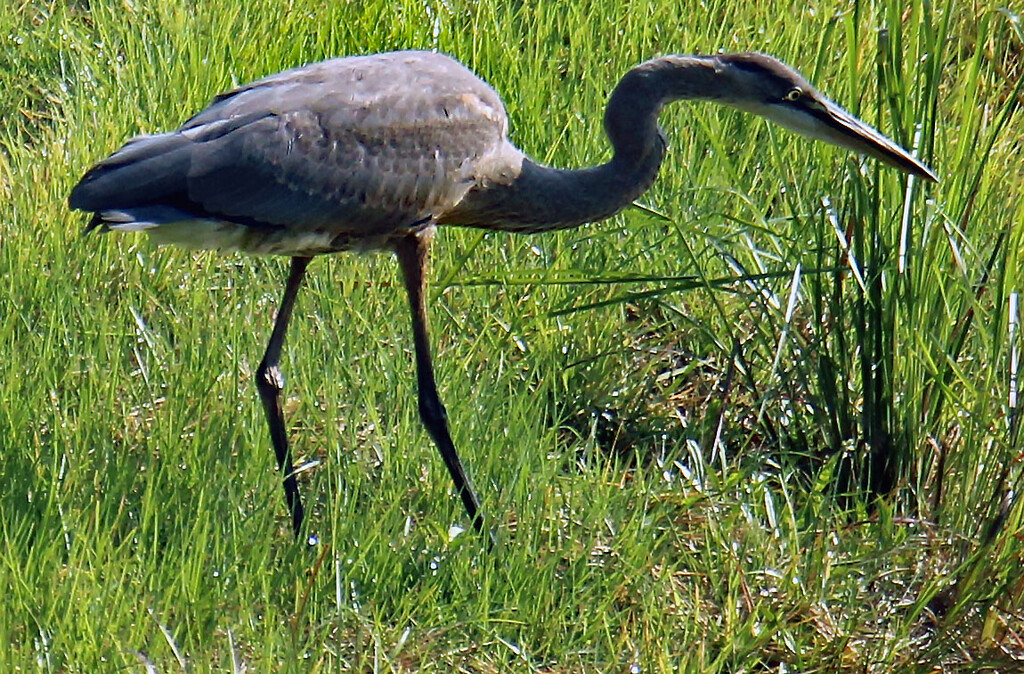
point(360, 145)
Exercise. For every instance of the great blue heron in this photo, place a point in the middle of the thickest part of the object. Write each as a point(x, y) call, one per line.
point(376, 151)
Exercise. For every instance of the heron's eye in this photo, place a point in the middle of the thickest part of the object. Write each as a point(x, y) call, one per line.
point(793, 94)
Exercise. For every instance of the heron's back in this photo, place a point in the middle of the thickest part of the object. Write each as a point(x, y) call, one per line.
point(334, 155)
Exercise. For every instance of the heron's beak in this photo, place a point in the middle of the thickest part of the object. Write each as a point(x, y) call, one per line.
point(848, 131)
point(822, 119)
point(839, 127)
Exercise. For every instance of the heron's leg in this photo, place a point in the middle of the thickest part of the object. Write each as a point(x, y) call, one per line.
point(270, 382)
point(413, 252)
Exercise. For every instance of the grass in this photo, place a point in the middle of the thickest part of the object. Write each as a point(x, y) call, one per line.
point(764, 423)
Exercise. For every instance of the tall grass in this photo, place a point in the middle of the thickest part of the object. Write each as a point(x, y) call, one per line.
point(762, 422)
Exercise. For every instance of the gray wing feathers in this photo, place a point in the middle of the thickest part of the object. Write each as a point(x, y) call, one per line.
point(362, 145)
point(144, 167)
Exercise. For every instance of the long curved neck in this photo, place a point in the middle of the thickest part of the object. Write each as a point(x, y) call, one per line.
point(540, 198)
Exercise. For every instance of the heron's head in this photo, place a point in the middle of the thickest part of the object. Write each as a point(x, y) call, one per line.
point(767, 87)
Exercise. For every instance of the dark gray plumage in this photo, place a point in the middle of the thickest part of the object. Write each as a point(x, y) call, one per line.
point(375, 151)
point(309, 161)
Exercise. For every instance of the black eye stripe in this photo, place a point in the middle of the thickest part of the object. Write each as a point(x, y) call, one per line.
point(763, 73)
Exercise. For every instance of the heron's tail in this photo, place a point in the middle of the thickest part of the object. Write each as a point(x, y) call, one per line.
point(147, 170)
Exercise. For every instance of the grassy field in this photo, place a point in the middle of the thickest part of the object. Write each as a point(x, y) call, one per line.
point(765, 421)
